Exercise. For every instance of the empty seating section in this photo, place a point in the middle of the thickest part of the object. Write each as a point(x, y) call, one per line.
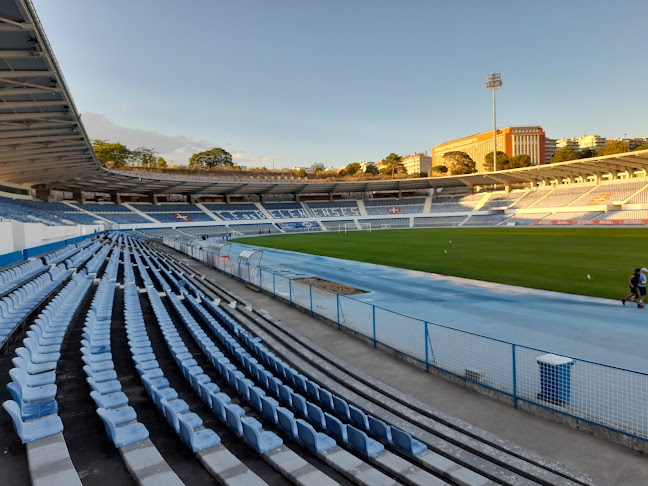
point(386, 223)
point(333, 209)
point(424, 222)
point(18, 274)
point(207, 231)
point(530, 198)
point(485, 219)
point(636, 215)
point(288, 210)
point(562, 196)
point(339, 224)
point(640, 198)
point(29, 211)
point(525, 218)
point(499, 200)
point(235, 212)
point(376, 207)
point(173, 213)
point(607, 193)
point(573, 216)
point(454, 204)
point(250, 229)
point(161, 233)
point(110, 211)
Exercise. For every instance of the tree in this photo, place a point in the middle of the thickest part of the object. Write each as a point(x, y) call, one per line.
point(161, 163)
point(353, 168)
point(112, 154)
point(393, 164)
point(300, 173)
point(459, 163)
point(442, 169)
point(643, 146)
point(518, 161)
point(613, 148)
point(371, 169)
point(216, 157)
point(145, 157)
point(586, 153)
point(502, 161)
point(563, 155)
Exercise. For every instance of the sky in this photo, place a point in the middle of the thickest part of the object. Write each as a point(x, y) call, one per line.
point(297, 82)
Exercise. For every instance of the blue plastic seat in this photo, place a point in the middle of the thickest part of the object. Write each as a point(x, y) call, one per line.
point(172, 416)
point(100, 376)
point(256, 394)
point(218, 405)
point(341, 407)
point(299, 405)
point(99, 365)
point(315, 441)
point(121, 415)
point(358, 418)
point(326, 399)
point(269, 408)
point(286, 420)
point(124, 434)
point(35, 429)
point(336, 428)
point(197, 439)
point(261, 440)
point(405, 443)
point(112, 400)
point(35, 409)
point(380, 429)
point(31, 393)
point(105, 387)
point(38, 357)
point(315, 415)
point(285, 394)
point(362, 443)
point(312, 390)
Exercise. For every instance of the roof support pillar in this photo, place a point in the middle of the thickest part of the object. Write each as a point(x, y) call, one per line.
point(297, 197)
point(400, 194)
point(79, 196)
point(43, 192)
point(263, 198)
point(228, 198)
point(330, 196)
point(507, 188)
point(115, 197)
point(153, 199)
point(366, 195)
point(435, 192)
point(192, 198)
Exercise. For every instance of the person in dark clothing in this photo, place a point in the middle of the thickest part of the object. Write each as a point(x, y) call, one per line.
point(633, 281)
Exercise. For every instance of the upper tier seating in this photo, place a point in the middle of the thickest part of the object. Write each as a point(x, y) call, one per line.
point(637, 215)
point(529, 198)
point(485, 219)
point(527, 218)
point(333, 209)
point(235, 212)
point(561, 196)
point(288, 210)
point(250, 229)
point(501, 200)
point(377, 207)
point(454, 204)
point(573, 216)
point(423, 222)
point(339, 224)
point(173, 213)
point(387, 223)
point(609, 192)
point(28, 211)
point(208, 231)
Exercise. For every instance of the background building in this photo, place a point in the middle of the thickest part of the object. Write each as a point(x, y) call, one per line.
point(510, 140)
point(417, 163)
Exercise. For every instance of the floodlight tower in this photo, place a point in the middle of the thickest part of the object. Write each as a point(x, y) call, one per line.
point(493, 82)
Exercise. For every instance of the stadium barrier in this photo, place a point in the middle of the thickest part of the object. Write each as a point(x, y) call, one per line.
point(606, 396)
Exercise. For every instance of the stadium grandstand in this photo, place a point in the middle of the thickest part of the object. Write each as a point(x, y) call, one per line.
point(124, 361)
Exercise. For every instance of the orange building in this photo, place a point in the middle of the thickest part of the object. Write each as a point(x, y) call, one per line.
point(510, 140)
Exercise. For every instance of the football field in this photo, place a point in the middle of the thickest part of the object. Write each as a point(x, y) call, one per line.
point(559, 259)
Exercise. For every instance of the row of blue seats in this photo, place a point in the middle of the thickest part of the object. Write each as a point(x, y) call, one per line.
point(120, 419)
point(365, 424)
point(112, 267)
point(82, 256)
point(67, 251)
point(15, 276)
point(34, 407)
point(188, 425)
point(21, 302)
point(94, 265)
point(129, 272)
point(248, 428)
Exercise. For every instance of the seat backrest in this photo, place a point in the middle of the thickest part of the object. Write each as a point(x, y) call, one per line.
point(315, 414)
point(186, 431)
point(110, 425)
point(358, 417)
point(285, 393)
point(404, 442)
point(335, 427)
point(14, 410)
point(286, 421)
point(251, 434)
point(307, 434)
point(218, 406)
point(325, 398)
point(269, 409)
point(312, 389)
point(361, 442)
point(379, 428)
point(233, 421)
point(299, 404)
point(341, 406)
point(171, 415)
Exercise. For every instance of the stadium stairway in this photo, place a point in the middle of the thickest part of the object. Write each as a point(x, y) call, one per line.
point(453, 445)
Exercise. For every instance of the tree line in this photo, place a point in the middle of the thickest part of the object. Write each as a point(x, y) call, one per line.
point(566, 154)
point(116, 155)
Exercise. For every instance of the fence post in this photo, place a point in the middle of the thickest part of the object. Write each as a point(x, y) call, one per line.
point(373, 307)
point(515, 400)
point(427, 360)
point(274, 285)
point(337, 299)
point(311, 298)
point(290, 290)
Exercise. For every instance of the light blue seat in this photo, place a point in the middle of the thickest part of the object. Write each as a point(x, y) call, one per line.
point(269, 408)
point(148, 365)
point(35, 333)
point(341, 407)
point(105, 387)
point(205, 391)
point(124, 434)
point(196, 439)
point(312, 390)
point(300, 383)
point(380, 429)
point(172, 417)
point(315, 415)
point(35, 429)
point(100, 376)
point(31, 393)
point(150, 373)
point(233, 419)
point(141, 351)
point(405, 443)
point(256, 394)
point(38, 379)
point(167, 393)
point(362, 443)
point(315, 441)
point(218, 405)
point(299, 405)
point(326, 399)
point(38, 357)
point(285, 394)
point(99, 365)
point(260, 439)
point(34, 409)
point(96, 358)
point(336, 428)
point(121, 415)
point(358, 418)
point(286, 420)
point(112, 400)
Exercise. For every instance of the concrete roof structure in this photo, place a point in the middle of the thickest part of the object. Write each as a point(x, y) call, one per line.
point(43, 142)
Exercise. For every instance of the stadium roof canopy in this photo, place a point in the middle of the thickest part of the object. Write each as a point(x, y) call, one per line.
point(43, 142)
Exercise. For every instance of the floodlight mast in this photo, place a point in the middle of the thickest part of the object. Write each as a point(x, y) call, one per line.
point(493, 82)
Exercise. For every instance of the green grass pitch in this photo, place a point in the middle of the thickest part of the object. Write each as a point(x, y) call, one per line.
point(557, 259)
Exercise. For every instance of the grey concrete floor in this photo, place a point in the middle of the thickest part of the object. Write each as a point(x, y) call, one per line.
point(605, 462)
